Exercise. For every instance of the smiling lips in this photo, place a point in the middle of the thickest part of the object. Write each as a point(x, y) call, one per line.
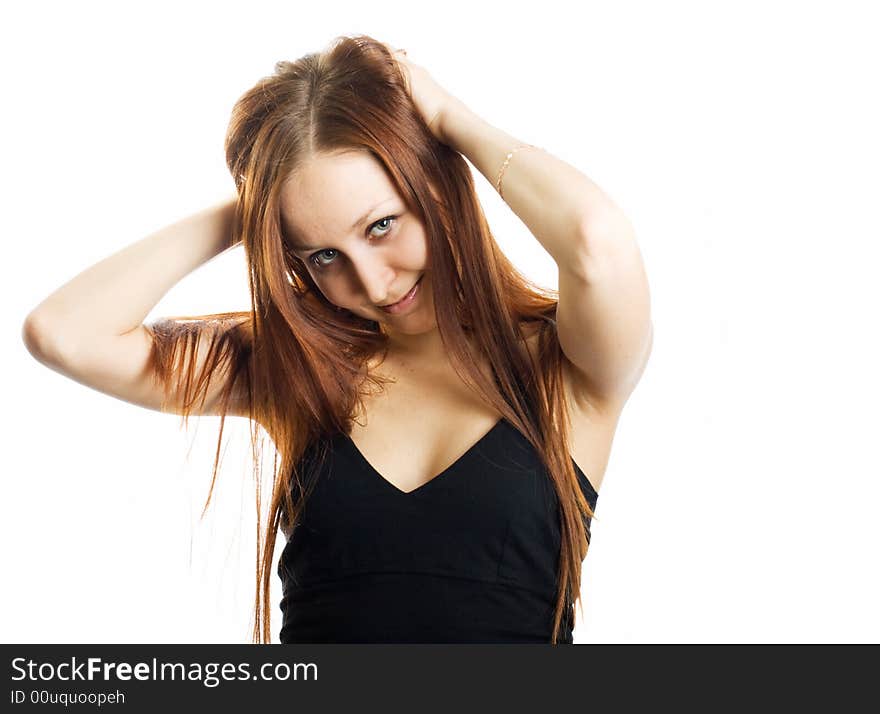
point(405, 301)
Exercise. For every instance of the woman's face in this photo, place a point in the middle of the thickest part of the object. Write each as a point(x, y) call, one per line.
point(360, 244)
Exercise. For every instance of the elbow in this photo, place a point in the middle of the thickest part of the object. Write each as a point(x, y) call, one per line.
point(604, 231)
point(603, 241)
point(40, 338)
point(30, 334)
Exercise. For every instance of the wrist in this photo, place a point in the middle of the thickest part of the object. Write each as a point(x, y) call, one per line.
point(451, 117)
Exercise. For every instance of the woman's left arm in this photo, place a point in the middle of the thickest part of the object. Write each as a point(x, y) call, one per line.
point(604, 316)
point(603, 319)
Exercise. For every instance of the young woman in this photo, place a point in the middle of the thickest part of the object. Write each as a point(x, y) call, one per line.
point(443, 424)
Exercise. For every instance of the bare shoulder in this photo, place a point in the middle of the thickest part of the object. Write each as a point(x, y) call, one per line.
point(593, 422)
point(577, 391)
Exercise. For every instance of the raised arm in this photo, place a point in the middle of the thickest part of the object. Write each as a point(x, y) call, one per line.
point(603, 320)
point(91, 329)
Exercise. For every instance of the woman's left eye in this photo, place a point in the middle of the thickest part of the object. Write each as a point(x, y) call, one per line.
point(390, 220)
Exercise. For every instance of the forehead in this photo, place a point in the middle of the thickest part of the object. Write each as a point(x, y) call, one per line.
point(327, 193)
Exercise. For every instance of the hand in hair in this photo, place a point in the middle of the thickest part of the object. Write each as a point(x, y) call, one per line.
point(430, 98)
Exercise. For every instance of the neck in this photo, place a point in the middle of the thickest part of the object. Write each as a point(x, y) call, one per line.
point(422, 346)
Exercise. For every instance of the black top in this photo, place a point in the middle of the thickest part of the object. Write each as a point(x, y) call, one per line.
point(468, 557)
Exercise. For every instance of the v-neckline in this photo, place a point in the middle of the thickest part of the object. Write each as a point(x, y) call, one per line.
point(375, 472)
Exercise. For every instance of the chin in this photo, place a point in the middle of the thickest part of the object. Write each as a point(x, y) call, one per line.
point(421, 324)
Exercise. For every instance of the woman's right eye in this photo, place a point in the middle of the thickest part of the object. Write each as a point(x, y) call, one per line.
point(315, 258)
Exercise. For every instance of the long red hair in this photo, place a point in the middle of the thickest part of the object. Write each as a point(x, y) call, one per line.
point(303, 362)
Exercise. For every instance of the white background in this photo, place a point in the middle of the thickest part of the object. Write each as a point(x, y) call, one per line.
point(740, 501)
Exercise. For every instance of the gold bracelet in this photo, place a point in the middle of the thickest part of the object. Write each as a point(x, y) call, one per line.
point(504, 166)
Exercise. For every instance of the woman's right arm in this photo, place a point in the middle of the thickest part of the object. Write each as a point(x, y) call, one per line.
point(91, 329)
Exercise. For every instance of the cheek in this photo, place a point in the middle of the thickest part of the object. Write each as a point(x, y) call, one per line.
point(414, 248)
point(337, 286)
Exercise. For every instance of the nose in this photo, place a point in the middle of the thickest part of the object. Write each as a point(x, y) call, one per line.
point(376, 277)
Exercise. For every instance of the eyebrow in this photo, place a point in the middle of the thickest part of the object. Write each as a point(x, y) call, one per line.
point(358, 222)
